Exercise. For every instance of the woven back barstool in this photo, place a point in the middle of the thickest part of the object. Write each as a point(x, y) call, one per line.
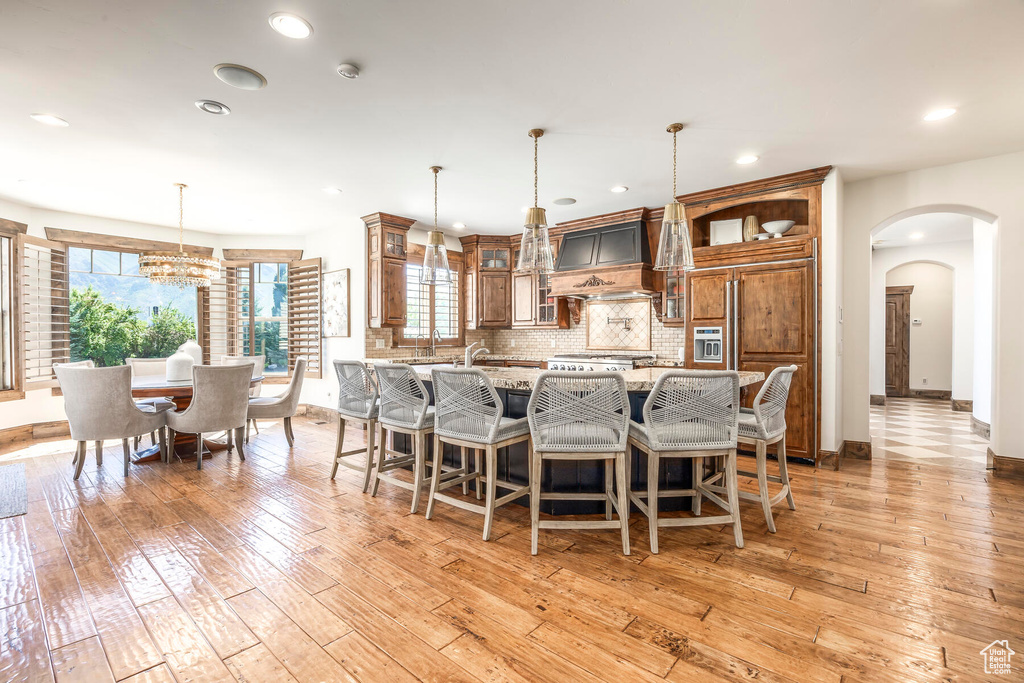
point(690, 414)
point(468, 414)
point(404, 409)
point(357, 402)
point(574, 416)
point(761, 426)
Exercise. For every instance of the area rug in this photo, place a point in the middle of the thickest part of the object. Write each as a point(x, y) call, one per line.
point(13, 492)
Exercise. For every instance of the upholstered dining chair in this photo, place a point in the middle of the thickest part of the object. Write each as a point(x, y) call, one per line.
point(258, 363)
point(99, 406)
point(220, 403)
point(281, 407)
point(150, 367)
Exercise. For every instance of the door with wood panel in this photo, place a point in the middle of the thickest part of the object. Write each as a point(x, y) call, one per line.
point(897, 340)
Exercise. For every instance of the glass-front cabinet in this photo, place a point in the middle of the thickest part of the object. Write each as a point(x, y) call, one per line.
point(673, 304)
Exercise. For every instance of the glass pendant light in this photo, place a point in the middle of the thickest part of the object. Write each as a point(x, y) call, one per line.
point(675, 248)
point(435, 258)
point(179, 268)
point(535, 247)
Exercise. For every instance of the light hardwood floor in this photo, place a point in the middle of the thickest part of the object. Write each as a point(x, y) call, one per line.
point(268, 571)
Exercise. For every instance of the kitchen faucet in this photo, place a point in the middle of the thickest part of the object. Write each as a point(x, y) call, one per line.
point(435, 337)
point(471, 354)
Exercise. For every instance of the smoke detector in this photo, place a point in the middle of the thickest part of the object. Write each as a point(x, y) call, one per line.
point(349, 71)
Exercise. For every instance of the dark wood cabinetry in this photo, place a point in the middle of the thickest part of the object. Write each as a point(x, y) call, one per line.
point(387, 249)
point(488, 290)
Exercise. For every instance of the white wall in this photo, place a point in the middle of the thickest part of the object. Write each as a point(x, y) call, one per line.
point(958, 256)
point(831, 255)
point(39, 405)
point(984, 277)
point(988, 189)
point(931, 327)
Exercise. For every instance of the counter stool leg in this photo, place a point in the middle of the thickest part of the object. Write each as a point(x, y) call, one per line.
point(609, 493)
point(536, 471)
point(652, 499)
point(732, 488)
point(99, 454)
point(435, 476)
point(623, 484)
point(478, 456)
point(762, 483)
point(491, 472)
point(127, 455)
point(465, 470)
point(382, 438)
point(698, 479)
point(338, 447)
point(784, 471)
point(418, 465)
point(371, 433)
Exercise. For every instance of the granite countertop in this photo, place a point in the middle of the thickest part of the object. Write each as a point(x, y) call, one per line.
point(523, 379)
point(442, 359)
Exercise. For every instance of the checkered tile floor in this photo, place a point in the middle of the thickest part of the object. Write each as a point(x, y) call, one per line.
point(914, 429)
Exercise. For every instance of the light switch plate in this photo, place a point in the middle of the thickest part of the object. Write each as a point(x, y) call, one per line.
point(512, 343)
point(380, 343)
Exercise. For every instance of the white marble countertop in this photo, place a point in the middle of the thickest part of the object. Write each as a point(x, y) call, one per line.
point(523, 379)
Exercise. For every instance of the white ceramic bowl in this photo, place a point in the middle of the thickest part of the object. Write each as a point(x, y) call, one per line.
point(777, 227)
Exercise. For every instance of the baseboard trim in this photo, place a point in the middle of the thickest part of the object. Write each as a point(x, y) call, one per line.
point(315, 412)
point(1004, 467)
point(962, 405)
point(877, 400)
point(930, 393)
point(13, 437)
point(857, 450)
point(831, 460)
point(982, 429)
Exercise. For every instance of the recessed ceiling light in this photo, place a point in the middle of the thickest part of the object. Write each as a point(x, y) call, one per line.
point(349, 71)
point(239, 76)
point(212, 107)
point(939, 114)
point(290, 25)
point(748, 159)
point(916, 235)
point(51, 120)
point(331, 190)
point(459, 226)
point(565, 201)
point(620, 188)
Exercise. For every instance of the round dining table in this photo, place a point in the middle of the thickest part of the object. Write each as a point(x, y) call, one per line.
point(180, 392)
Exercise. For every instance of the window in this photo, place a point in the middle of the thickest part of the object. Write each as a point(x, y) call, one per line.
point(7, 339)
point(268, 297)
point(430, 307)
point(116, 313)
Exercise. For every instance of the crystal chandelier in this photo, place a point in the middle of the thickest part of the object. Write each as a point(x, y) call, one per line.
point(675, 248)
point(179, 268)
point(535, 248)
point(435, 257)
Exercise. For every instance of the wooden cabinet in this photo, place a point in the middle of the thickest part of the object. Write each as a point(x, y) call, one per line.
point(524, 299)
point(533, 304)
point(387, 250)
point(488, 282)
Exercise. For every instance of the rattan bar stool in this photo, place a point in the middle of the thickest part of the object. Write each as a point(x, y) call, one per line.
point(690, 414)
point(357, 402)
point(581, 417)
point(761, 426)
point(468, 414)
point(404, 409)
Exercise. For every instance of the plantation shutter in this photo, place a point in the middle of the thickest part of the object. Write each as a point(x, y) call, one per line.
point(224, 313)
point(46, 337)
point(304, 314)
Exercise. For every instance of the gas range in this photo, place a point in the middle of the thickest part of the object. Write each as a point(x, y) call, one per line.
point(591, 362)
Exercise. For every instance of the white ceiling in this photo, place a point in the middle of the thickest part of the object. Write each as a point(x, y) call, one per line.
point(933, 228)
point(458, 83)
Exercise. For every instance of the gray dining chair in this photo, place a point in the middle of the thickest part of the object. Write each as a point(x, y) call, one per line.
point(99, 406)
point(358, 402)
point(469, 413)
point(762, 426)
point(220, 403)
point(281, 407)
point(575, 416)
point(258, 363)
point(149, 367)
point(691, 414)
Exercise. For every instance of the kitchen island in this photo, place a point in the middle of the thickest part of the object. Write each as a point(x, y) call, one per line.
point(514, 386)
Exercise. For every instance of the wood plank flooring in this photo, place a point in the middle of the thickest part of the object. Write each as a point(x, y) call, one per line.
point(901, 569)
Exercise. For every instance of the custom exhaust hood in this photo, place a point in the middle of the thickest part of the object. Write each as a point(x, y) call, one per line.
point(610, 260)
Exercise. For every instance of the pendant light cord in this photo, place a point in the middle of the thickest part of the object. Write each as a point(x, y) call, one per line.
point(674, 134)
point(435, 200)
point(535, 172)
point(181, 218)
